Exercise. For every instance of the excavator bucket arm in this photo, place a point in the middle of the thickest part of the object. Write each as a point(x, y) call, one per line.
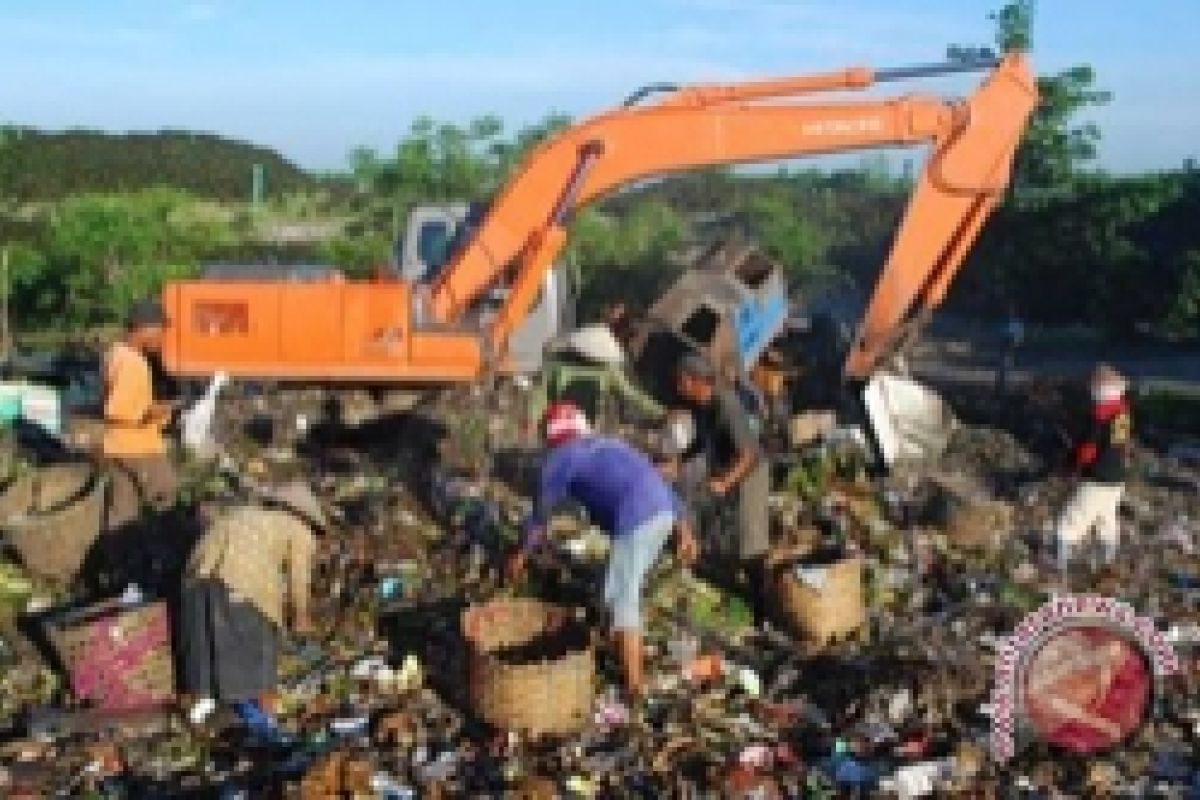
point(961, 183)
point(973, 144)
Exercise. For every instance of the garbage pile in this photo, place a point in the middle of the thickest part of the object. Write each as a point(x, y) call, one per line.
point(886, 690)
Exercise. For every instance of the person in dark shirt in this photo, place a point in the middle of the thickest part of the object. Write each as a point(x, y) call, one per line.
point(624, 495)
point(730, 447)
point(1102, 461)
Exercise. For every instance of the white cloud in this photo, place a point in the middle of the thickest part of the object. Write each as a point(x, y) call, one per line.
point(201, 11)
point(50, 37)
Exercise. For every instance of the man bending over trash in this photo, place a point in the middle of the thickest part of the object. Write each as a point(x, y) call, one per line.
point(626, 496)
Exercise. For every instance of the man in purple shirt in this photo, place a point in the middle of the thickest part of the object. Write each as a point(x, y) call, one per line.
point(624, 495)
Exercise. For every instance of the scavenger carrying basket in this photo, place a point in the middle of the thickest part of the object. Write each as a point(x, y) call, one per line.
point(513, 688)
point(820, 598)
point(53, 533)
point(118, 656)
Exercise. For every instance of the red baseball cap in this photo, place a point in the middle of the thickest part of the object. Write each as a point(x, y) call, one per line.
point(563, 422)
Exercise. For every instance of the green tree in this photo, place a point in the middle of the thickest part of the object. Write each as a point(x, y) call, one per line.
point(625, 257)
point(35, 293)
point(357, 255)
point(509, 154)
point(1056, 145)
point(107, 250)
point(439, 162)
point(1183, 318)
point(1014, 26)
point(786, 235)
point(41, 166)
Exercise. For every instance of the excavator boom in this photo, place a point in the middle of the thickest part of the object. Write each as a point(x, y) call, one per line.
point(973, 145)
point(368, 333)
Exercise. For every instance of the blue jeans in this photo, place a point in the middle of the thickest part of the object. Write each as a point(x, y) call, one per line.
point(629, 562)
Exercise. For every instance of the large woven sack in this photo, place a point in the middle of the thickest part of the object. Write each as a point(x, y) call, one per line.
point(821, 601)
point(57, 485)
point(553, 695)
point(53, 542)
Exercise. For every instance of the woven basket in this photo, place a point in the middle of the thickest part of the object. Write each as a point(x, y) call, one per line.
point(17, 496)
point(118, 657)
point(53, 544)
point(552, 696)
point(821, 602)
point(57, 485)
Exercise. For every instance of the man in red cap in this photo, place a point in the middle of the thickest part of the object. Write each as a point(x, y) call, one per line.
point(624, 495)
point(1102, 460)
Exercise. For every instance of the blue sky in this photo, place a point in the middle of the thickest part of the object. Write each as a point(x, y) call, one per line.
point(316, 77)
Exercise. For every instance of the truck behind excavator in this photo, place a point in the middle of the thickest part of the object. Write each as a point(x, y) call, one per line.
point(453, 313)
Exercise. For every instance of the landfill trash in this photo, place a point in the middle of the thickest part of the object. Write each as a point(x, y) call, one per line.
point(38, 603)
point(1181, 533)
point(581, 786)
point(705, 669)
point(201, 710)
point(756, 756)
point(132, 595)
point(612, 712)
point(917, 780)
point(376, 700)
point(411, 675)
point(749, 681)
point(680, 433)
point(388, 788)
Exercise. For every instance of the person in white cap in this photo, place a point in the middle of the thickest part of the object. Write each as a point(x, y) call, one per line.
point(1102, 461)
point(233, 600)
point(590, 362)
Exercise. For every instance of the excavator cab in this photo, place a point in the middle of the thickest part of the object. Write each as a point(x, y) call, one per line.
point(434, 236)
point(428, 241)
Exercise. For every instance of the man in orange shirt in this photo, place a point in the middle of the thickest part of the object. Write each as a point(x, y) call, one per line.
point(133, 422)
point(143, 476)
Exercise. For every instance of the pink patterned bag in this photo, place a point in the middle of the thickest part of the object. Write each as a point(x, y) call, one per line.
point(118, 656)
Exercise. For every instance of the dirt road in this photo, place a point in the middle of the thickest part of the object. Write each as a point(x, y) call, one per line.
point(961, 360)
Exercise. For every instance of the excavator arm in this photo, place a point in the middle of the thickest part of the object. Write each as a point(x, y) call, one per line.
point(972, 146)
point(390, 332)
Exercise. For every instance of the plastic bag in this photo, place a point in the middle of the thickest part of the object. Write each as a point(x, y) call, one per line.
point(197, 420)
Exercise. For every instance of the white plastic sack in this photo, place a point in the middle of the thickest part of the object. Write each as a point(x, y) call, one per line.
point(919, 780)
point(197, 420)
point(911, 422)
point(680, 433)
point(595, 343)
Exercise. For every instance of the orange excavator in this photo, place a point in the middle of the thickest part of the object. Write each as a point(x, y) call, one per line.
point(397, 332)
